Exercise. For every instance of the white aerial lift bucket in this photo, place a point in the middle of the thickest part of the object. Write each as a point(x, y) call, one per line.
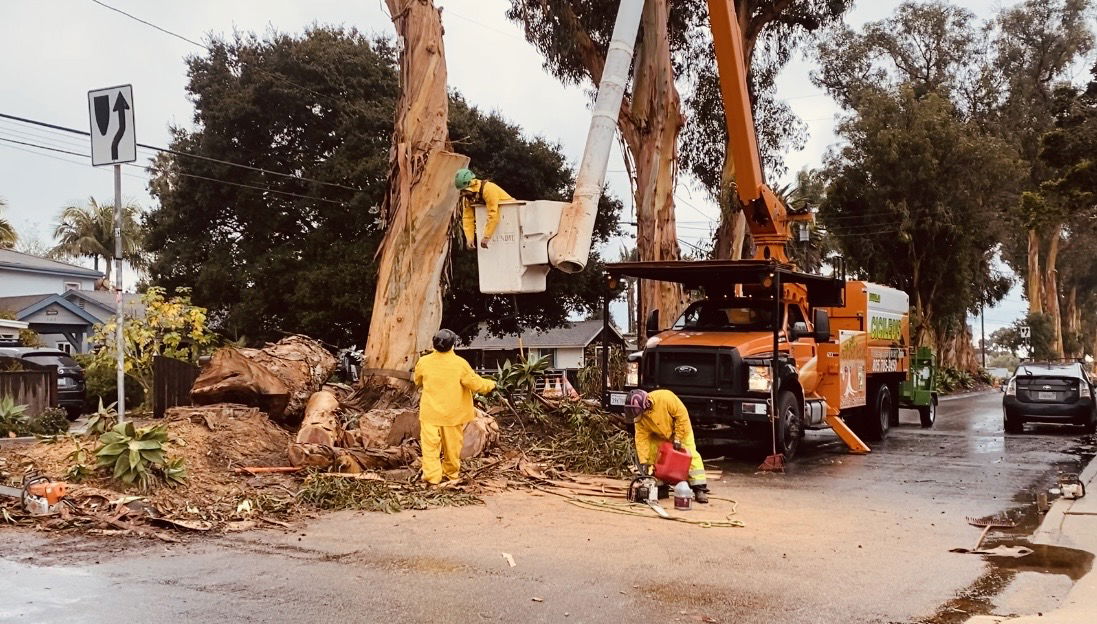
point(516, 260)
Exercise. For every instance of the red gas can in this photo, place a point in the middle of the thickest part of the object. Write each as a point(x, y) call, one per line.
point(672, 466)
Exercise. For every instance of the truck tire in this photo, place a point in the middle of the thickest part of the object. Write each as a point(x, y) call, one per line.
point(790, 424)
point(928, 413)
point(893, 417)
point(878, 414)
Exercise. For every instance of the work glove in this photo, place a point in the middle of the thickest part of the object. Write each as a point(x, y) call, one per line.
point(677, 445)
point(470, 245)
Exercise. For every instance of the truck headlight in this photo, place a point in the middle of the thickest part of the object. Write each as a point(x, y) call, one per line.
point(632, 374)
point(760, 379)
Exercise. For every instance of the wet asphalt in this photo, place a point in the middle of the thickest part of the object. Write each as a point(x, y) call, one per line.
point(837, 538)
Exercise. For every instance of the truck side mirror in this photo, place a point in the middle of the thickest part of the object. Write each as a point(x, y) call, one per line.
point(821, 320)
point(653, 322)
point(798, 330)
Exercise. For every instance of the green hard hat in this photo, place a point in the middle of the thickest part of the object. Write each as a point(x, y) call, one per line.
point(463, 178)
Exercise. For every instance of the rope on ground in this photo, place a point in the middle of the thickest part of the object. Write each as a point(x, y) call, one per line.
point(643, 511)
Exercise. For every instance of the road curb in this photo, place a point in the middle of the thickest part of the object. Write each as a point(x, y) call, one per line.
point(967, 395)
point(1077, 606)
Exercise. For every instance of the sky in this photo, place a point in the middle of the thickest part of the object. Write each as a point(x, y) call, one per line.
point(56, 51)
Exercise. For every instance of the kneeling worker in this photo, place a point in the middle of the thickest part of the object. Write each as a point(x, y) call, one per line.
point(476, 191)
point(445, 406)
point(660, 417)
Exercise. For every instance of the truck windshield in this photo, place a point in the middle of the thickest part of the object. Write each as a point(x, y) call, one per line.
point(733, 315)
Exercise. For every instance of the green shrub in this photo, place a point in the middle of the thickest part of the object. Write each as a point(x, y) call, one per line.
point(102, 386)
point(52, 421)
point(12, 417)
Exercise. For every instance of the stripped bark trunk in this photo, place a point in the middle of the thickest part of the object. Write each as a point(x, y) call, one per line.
point(1051, 289)
point(731, 234)
point(1035, 277)
point(419, 207)
point(650, 125)
point(956, 350)
point(1074, 321)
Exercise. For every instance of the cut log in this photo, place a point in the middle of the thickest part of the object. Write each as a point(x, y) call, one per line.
point(383, 428)
point(303, 365)
point(231, 377)
point(480, 435)
point(321, 422)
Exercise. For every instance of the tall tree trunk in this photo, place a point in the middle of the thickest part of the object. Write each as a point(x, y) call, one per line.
point(1074, 321)
point(1051, 289)
point(1035, 277)
point(419, 207)
point(956, 350)
point(650, 127)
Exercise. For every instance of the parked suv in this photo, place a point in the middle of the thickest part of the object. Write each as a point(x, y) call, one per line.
point(71, 385)
point(1054, 392)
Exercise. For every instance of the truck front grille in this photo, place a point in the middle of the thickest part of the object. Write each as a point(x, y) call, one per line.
point(693, 369)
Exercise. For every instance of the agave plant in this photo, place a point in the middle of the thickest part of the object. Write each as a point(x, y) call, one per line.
point(175, 473)
point(520, 377)
point(103, 419)
point(133, 453)
point(11, 416)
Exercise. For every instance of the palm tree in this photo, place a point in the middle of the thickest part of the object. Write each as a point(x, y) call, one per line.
point(8, 237)
point(88, 231)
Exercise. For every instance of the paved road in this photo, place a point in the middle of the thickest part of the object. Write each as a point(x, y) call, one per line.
point(838, 539)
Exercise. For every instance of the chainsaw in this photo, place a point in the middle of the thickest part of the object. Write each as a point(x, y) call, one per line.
point(644, 489)
point(39, 495)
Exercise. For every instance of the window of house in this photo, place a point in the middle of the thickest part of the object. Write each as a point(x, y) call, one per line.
point(72, 285)
point(64, 346)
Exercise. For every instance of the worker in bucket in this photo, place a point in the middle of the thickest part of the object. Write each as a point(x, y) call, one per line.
point(445, 406)
point(660, 416)
point(476, 191)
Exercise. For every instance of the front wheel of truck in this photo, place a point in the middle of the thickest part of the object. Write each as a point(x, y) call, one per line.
point(789, 425)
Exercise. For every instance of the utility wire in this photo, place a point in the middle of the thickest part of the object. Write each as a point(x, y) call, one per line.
point(180, 173)
point(185, 154)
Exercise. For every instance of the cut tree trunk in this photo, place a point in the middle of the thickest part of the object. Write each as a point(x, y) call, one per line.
point(1035, 277)
point(1051, 289)
point(321, 422)
point(650, 125)
point(419, 209)
point(303, 365)
point(230, 377)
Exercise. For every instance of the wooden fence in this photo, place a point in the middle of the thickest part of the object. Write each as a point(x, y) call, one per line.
point(30, 384)
point(172, 380)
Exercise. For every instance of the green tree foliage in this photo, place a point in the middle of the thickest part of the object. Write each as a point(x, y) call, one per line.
point(916, 198)
point(8, 237)
point(775, 30)
point(913, 202)
point(299, 255)
point(87, 231)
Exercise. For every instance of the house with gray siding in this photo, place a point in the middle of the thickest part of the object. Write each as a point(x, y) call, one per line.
point(24, 274)
point(569, 348)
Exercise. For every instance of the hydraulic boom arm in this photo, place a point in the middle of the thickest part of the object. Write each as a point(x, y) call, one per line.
point(767, 217)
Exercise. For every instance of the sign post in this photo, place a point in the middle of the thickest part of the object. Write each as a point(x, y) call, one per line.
point(113, 142)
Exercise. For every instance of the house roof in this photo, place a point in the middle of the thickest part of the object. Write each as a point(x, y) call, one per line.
point(132, 303)
point(16, 261)
point(577, 334)
point(26, 305)
point(22, 302)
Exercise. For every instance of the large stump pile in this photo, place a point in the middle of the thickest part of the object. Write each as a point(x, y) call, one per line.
point(286, 380)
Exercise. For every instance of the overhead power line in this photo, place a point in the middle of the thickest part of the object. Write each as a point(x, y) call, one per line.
point(180, 173)
point(175, 152)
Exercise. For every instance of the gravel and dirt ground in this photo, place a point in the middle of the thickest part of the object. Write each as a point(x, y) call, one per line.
point(837, 539)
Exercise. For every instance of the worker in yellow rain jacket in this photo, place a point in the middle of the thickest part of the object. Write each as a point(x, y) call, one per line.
point(445, 406)
point(475, 191)
point(660, 417)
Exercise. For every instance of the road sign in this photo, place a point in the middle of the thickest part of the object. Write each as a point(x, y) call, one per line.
point(113, 136)
point(1025, 330)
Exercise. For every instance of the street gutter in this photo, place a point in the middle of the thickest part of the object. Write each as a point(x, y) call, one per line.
point(1073, 524)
